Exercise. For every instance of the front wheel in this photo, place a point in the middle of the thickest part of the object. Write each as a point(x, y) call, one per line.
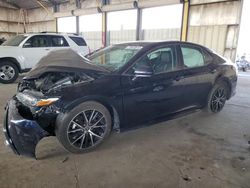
point(217, 97)
point(84, 127)
point(8, 72)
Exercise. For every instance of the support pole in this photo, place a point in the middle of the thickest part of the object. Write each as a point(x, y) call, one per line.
point(104, 29)
point(185, 16)
point(77, 25)
point(138, 24)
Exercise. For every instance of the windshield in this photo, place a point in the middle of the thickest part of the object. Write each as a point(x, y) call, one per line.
point(14, 41)
point(114, 57)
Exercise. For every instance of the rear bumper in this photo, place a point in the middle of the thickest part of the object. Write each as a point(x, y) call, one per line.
point(22, 135)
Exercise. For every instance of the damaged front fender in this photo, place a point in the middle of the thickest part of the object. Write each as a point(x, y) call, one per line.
point(22, 135)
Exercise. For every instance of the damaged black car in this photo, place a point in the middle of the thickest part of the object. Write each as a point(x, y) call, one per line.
point(81, 100)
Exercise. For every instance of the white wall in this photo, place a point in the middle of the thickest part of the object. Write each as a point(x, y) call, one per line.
point(215, 25)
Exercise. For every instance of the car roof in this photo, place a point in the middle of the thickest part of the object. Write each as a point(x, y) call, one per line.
point(156, 43)
point(44, 33)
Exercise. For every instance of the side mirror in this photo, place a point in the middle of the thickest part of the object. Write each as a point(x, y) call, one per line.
point(27, 45)
point(143, 71)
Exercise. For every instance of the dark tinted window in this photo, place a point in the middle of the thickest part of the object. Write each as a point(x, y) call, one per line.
point(37, 42)
point(217, 58)
point(192, 57)
point(79, 41)
point(207, 57)
point(58, 41)
point(161, 60)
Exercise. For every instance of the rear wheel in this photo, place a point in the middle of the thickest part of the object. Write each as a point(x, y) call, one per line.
point(217, 97)
point(8, 72)
point(84, 127)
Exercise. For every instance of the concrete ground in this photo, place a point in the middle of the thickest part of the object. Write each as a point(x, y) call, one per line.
point(198, 150)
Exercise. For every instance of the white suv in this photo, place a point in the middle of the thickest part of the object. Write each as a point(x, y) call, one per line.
point(22, 52)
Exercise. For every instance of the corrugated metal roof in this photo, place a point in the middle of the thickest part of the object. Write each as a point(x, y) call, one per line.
point(30, 4)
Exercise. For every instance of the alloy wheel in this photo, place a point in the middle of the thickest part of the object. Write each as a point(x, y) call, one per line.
point(87, 129)
point(7, 72)
point(218, 99)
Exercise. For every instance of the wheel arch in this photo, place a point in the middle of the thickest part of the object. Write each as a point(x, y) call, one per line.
point(115, 116)
point(13, 60)
point(222, 78)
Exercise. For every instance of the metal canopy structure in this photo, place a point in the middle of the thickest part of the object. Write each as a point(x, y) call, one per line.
point(31, 4)
point(212, 23)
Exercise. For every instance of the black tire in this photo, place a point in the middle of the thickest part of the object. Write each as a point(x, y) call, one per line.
point(11, 74)
point(69, 136)
point(217, 97)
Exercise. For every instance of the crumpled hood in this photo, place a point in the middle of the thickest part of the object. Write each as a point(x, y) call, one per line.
point(65, 60)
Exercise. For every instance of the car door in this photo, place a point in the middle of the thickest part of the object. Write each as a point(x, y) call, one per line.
point(148, 98)
point(34, 49)
point(199, 73)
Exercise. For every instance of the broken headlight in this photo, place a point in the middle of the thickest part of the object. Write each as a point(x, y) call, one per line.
point(30, 100)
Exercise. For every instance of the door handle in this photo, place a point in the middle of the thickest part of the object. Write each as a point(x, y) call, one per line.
point(158, 88)
point(178, 78)
point(213, 71)
point(47, 49)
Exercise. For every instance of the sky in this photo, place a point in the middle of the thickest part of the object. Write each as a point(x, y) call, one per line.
point(153, 18)
point(244, 36)
point(66, 24)
point(92, 22)
point(170, 18)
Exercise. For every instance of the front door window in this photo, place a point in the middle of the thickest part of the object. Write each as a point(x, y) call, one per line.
point(160, 60)
point(38, 41)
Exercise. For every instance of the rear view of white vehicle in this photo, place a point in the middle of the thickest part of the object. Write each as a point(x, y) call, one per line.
point(23, 52)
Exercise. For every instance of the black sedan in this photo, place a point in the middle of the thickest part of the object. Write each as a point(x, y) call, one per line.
point(121, 87)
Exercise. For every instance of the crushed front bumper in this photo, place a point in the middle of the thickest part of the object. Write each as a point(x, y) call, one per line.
point(22, 135)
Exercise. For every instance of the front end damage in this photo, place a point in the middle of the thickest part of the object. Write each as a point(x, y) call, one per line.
point(31, 114)
point(22, 135)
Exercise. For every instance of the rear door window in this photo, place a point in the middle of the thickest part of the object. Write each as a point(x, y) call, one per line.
point(58, 41)
point(192, 57)
point(79, 41)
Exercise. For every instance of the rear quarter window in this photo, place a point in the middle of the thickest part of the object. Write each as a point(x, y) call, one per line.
point(216, 58)
point(79, 41)
point(208, 57)
point(219, 59)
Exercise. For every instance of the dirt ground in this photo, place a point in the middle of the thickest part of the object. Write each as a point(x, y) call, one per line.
point(198, 150)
